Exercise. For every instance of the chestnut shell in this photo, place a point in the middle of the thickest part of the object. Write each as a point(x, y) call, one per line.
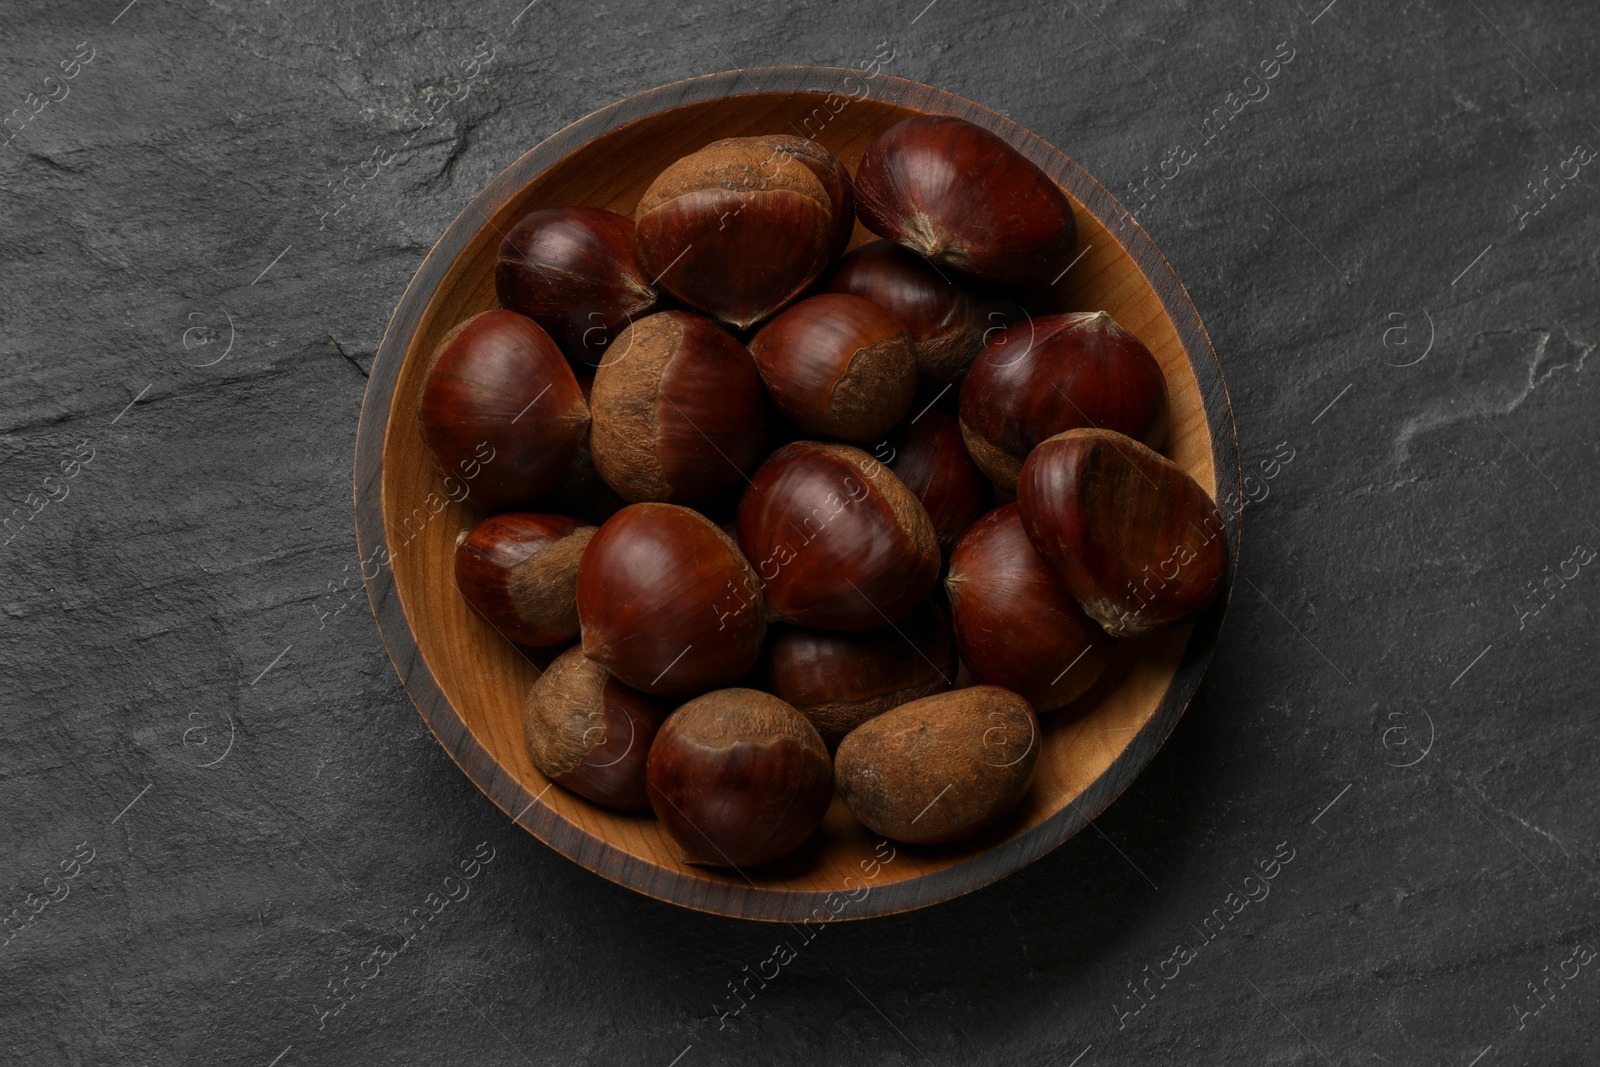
point(1016, 624)
point(838, 366)
point(501, 410)
point(679, 412)
point(945, 320)
point(830, 172)
point(1045, 376)
point(1132, 537)
point(667, 602)
point(838, 540)
point(736, 229)
point(575, 271)
point(930, 457)
point(738, 778)
point(940, 768)
point(589, 733)
point(961, 196)
point(520, 572)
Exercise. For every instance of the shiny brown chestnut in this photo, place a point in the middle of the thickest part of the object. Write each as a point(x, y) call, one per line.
point(1132, 537)
point(575, 271)
point(736, 229)
point(783, 148)
point(1044, 376)
point(520, 571)
point(838, 541)
point(946, 321)
point(501, 410)
point(1015, 623)
point(929, 456)
point(667, 602)
point(589, 733)
point(940, 768)
point(961, 196)
point(838, 366)
point(738, 778)
point(840, 680)
point(679, 411)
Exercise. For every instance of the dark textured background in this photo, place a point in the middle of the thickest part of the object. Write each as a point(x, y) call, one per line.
point(194, 689)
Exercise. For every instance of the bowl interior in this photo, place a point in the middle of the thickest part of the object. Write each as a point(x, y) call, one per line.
point(484, 678)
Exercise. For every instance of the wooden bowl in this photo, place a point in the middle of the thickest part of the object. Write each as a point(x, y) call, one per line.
point(469, 683)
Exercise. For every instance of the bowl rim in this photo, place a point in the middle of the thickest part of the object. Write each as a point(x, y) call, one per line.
point(686, 888)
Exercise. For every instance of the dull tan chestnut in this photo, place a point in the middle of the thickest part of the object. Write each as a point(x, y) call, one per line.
point(940, 768)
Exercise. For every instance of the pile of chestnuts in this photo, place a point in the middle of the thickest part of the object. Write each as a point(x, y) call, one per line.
point(728, 466)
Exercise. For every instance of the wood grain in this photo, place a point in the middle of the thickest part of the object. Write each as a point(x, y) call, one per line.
point(468, 683)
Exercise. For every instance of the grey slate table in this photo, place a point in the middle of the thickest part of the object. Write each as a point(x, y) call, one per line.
point(206, 752)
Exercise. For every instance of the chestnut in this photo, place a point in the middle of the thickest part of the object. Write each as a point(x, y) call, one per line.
point(738, 778)
point(575, 271)
point(840, 680)
point(1061, 372)
point(940, 768)
point(946, 321)
point(783, 148)
point(737, 229)
point(679, 412)
point(961, 196)
point(838, 366)
point(667, 602)
point(1132, 537)
point(928, 455)
point(501, 410)
point(838, 540)
point(589, 733)
point(1015, 623)
point(520, 571)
